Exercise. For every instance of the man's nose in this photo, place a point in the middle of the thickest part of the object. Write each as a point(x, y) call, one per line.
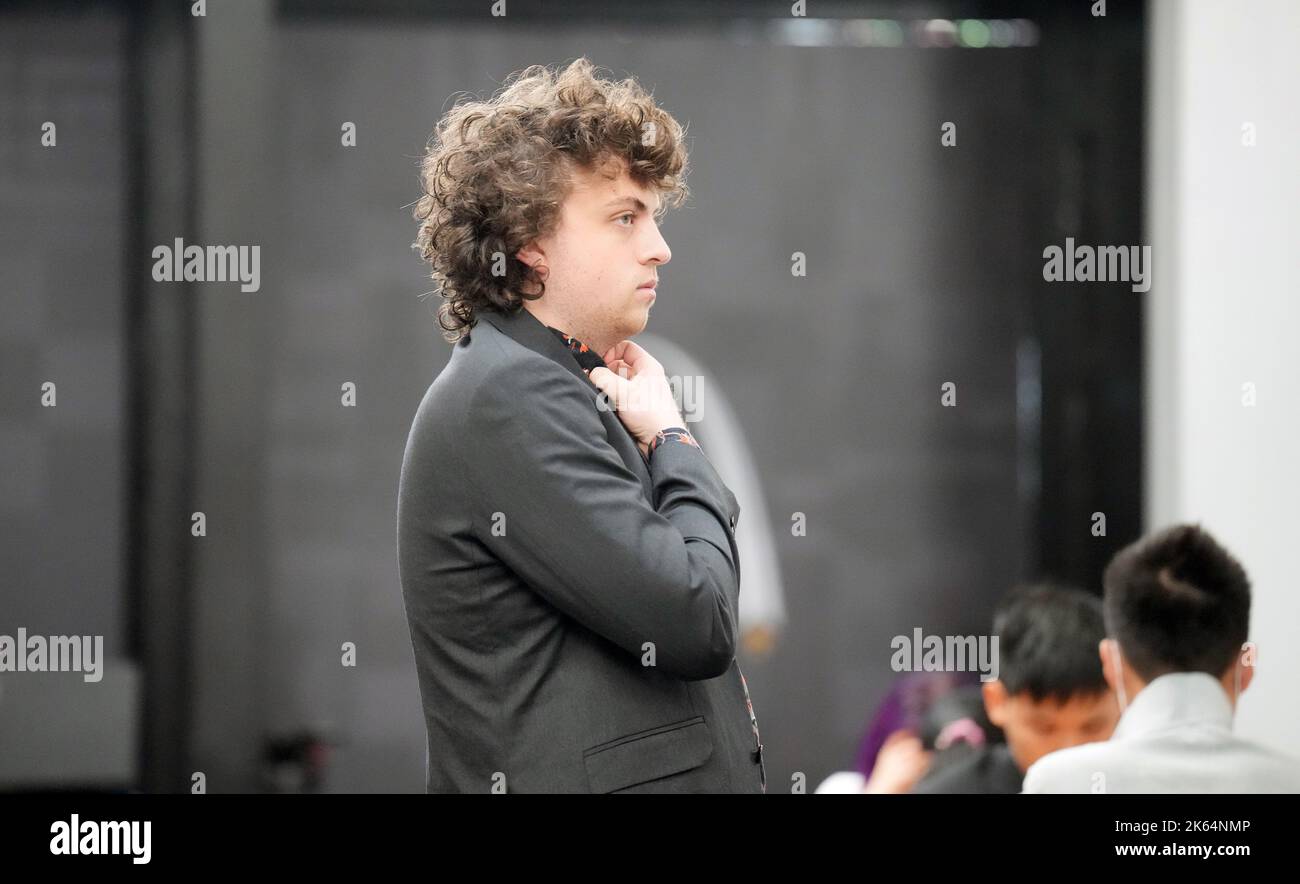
point(657, 248)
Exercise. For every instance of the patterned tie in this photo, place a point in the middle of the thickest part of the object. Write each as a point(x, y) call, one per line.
point(586, 357)
point(757, 754)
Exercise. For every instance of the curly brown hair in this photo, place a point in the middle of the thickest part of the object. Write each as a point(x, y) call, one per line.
point(496, 173)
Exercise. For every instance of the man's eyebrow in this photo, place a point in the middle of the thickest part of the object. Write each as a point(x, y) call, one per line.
point(627, 200)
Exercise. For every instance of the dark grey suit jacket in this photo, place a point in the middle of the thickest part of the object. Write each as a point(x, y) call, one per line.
point(545, 564)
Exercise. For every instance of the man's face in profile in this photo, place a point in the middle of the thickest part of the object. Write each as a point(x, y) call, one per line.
point(605, 248)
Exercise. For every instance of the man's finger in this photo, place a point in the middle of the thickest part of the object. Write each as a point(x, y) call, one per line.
point(615, 353)
point(627, 351)
point(633, 353)
point(608, 383)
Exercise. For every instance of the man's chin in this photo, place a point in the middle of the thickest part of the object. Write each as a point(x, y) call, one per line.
point(637, 323)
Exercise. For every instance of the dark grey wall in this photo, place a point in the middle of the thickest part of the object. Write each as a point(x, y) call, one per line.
point(61, 308)
point(63, 473)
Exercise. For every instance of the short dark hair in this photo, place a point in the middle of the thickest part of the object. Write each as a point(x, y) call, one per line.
point(1177, 601)
point(1047, 642)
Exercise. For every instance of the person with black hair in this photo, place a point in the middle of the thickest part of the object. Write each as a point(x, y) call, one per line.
point(1050, 692)
point(1177, 611)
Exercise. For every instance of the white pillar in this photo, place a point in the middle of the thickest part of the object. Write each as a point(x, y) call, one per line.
point(1224, 311)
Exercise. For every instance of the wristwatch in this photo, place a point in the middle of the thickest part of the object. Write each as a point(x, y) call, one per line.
point(681, 434)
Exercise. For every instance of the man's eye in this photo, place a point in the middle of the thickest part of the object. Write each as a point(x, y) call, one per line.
point(628, 215)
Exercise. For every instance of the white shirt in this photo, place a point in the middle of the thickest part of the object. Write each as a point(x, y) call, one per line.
point(1176, 736)
point(844, 782)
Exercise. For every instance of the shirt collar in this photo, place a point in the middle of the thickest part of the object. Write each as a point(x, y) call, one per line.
point(1175, 700)
point(586, 357)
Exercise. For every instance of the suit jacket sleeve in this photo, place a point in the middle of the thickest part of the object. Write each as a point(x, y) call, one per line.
point(574, 523)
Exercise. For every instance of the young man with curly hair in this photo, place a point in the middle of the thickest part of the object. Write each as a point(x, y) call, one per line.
point(567, 551)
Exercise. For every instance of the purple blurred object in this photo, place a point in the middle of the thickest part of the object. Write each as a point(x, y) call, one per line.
point(906, 707)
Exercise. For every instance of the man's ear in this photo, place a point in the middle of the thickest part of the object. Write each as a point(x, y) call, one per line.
point(1107, 649)
point(534, 257)
point(995, 700)
point(1247, 674)
point(531, 255)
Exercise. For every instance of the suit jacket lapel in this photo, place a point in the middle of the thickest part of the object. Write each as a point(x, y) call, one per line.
point(525, 329)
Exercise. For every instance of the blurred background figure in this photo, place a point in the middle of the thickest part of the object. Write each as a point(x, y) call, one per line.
point(1050, 693)
point(710, 417)
point(941, 734)
point(927, 718)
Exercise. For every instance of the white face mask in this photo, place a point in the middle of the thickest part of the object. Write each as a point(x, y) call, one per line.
point(1117, 659)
